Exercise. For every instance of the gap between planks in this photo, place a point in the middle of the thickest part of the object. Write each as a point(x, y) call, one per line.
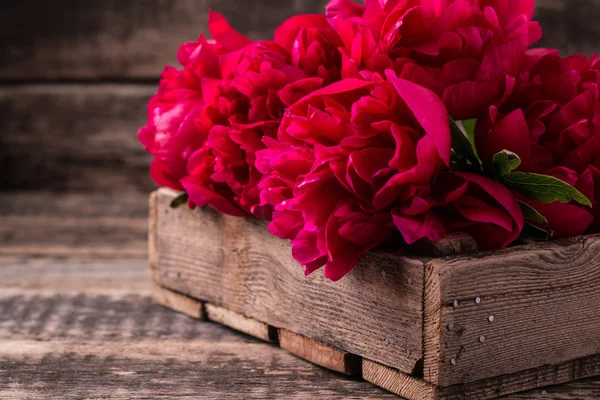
point(301, 346)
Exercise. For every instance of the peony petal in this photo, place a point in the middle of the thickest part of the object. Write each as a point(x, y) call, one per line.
point(224, 34)
point(429, 111)
point(565, 220)
point(510, 133)
point(503, 197)
point(286, 33)
point(202, 196)
point(413, 229)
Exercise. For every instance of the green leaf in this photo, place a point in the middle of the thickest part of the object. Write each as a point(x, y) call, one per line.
point(505, 162)
point(463, 147)
point(534, 233)
point(469, 127)
point(532, 214)
point(179, 201)
point(543, 188)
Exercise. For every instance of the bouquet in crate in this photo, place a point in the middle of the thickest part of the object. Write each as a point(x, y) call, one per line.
point(398, 120)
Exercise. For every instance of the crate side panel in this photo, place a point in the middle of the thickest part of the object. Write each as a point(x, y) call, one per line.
point(374, 312)
point(504, 312)
point(547, 375)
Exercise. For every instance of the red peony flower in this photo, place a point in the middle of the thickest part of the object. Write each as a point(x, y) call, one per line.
point(313, 45)
point(208, 120)
point(552, 122)
point(469, 52)
point(357, 161)
point(173, 132)
point(464, 202)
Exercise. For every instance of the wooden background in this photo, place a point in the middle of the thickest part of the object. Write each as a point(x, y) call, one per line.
point(75, 314)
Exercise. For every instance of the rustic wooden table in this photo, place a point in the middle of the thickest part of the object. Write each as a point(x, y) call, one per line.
point(77, 320)
point(76, 317)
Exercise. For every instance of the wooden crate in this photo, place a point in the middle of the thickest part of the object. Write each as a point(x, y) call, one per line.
point(462, 326)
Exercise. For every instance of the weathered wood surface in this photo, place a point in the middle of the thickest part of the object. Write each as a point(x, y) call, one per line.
point(73, 327)
point(240, 323)
point(397, 382)
point(178, 302)
point(569, 25)
point(118, 39)
point(99, 342)
point(320, 354)
point(76, 138)
point(99, 225)
point(208, 256)
point(132, 39)
point(513, 311)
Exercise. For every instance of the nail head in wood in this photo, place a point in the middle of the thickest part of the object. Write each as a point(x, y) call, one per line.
point(491, 318)
point(450, 326)
point(453, 361)
point(455, 303)
point(482, 338)
point(477, 300)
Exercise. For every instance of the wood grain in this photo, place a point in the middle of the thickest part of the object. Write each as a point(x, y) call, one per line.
point(537, 306)
point(125, 347)
point(74, 138)
point(178, 302)
point(523, 380)
point(119, 39)
point(451, 245)
point(375, 312)
point(569, 25)
point(73, 328)
point(20, 274)
point(396, 382)
point(95, 225)
point(127, 39)
point(320, 354)
point(241, 323)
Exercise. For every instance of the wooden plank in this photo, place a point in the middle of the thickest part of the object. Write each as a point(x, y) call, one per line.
point(166, 368)
point(73, 328)
point(375, 312)
point(122, 39)
point(417, 389)
point(523, 380)
point(116, 39)
point(33, 274)
point(178, 302)
point(241, 323)
point(512, 311)
point(453, 244)
point(396, 382)
point(566, 27)
point(578, 390)
point(74, 138)
point(60, 235)
point(320, 354)
point(96, 315)
point(152, 218)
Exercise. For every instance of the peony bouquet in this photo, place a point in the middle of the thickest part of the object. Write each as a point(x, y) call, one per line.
point(392, 120)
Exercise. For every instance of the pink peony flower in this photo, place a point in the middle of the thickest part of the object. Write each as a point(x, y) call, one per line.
point(469, 52)
point(551, 122)
point(356, 162)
